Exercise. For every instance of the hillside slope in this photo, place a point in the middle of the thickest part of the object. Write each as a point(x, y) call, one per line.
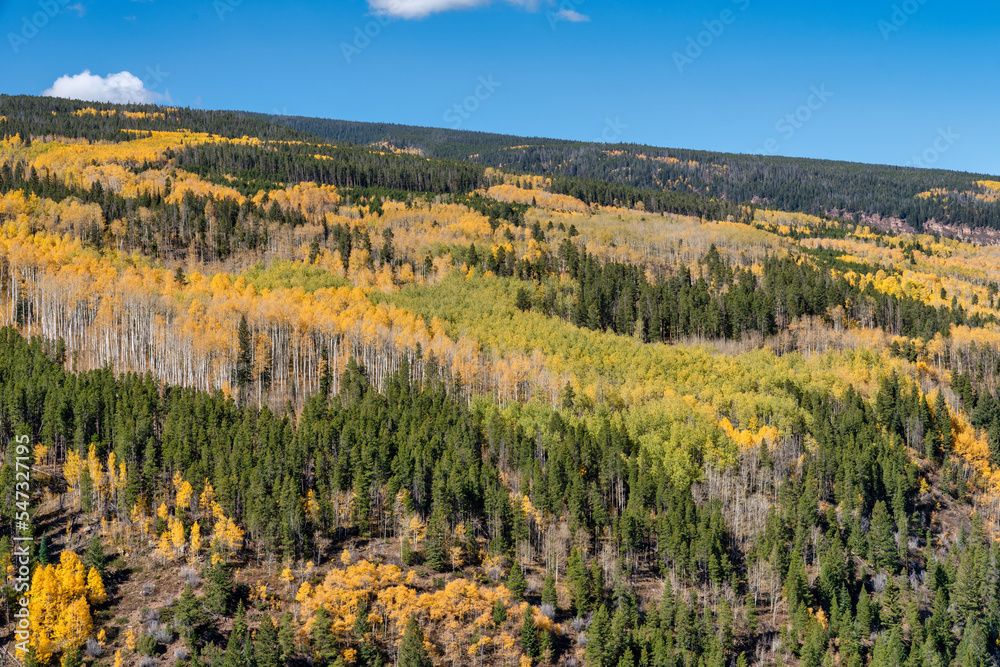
point(287, 401)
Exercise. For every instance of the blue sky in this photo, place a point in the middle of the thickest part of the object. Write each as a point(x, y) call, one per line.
point(891, 82)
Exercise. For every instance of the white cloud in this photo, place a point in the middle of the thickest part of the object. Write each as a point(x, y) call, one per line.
point(78, 8)
point(572, 16)
point(416, 9)
point(120, 88)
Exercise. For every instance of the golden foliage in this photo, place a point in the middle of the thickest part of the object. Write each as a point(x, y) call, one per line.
point(58, 607)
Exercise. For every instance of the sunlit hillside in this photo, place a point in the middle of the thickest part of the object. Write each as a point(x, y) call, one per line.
point(290, 401)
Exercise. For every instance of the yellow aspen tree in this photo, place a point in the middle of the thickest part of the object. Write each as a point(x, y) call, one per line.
point(184, 492)
point(195, 539)
point(286, 576)
point(75, 624)
point(95, 588)
point(177, 534)
point(163, 548)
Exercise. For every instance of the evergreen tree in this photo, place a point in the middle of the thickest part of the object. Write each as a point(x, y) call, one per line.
point(71, 657)
point(188, 615)
point(549, 593)
point(286, 637)
point(547, 647)
point(244, 357)
point(236, 645)
point(266, 650)
point(529, 635)
point(598, 651)
point(326, 376)
point(324, 642)
point(516, 582)
point(43, 550)
point(412, 652)
point(499, 613)
point(219, 587)
point(94, 556)
point(881, 540)
point(436, 544)
point(942, 422)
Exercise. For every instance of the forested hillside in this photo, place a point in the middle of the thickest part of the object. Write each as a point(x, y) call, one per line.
point(291, 398)
point(628, 173)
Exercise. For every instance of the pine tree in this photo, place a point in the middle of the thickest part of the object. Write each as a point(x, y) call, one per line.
point(368, 652)
point(43, 550)
point(324, 643)
point(529, 635)
point(235, 655)
point(188, 614)
point(866, 617)
point(71, 657)
point(266, 650)
point(499, 613)
point(598, 651)
point(412, 652)
point(578, 582)
point(244, 358)
point(436, 544)
point(286, 637)
point(219, 587)
point(549, 593)
point(516, 582)
point(547, 647)
point(942, 423)
point(94, 556)
point(881, 540)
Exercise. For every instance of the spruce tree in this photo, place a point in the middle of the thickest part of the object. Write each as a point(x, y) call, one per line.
point(499, 613)
point(324, 643)
point(881, 540)
point(942, 423)
point(94, 556)
point(436, 549)
point(43, 550)
point(412, 652)
point(71, 657)
point(266, 650)
point(529, 635)
point(244, 358)
point(219, 587)
point(598, 653)
point(235, 647)
point(549, 593)
point(286, 637)
point(516, 582)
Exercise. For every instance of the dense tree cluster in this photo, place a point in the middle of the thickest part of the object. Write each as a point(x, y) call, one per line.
point(447, 462)
point(265, 167)
point(53, 116)
point(694, 182)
